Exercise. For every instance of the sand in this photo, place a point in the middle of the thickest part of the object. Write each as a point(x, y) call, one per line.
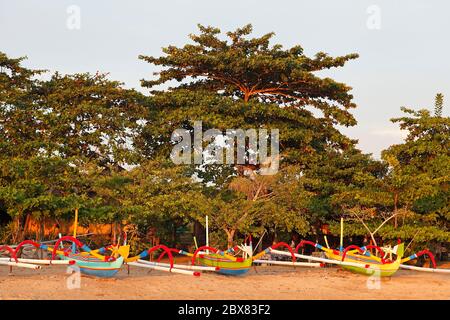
point(262, 282)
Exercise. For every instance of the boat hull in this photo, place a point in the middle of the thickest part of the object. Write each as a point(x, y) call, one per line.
point(371, 266)
point(226, 266)
point(94, 267)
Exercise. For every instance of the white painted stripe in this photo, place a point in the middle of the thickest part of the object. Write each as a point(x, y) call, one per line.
point(288, 263)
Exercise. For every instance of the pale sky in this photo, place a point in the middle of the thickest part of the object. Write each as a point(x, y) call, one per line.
point(404, 62)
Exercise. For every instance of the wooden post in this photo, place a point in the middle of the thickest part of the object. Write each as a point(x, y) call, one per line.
point(75, 227)
point(75, 224)
point(207, 232)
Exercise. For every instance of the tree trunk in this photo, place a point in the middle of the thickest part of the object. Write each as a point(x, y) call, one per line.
point(174, 235)
point(26, 226)
point(41, 230)
point(199, 233)
point(230, 237)
point(114, 235)
point(246, 96)
point(16, 230)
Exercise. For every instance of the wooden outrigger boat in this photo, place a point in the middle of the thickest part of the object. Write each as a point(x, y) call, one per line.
point(372, 265)
point(225, 265)
point(222, 262)
point(358, 263)
point(218, 261)
point(359, 259)
point(90, 262)
point(93, 266)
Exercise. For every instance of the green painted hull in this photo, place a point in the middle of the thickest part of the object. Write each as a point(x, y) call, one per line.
point(371, 267)
point(372, 272)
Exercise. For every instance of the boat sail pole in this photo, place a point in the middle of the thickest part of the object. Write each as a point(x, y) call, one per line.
point(341, 246)
point(207, 233)
point(75, 227)
point(75, 223)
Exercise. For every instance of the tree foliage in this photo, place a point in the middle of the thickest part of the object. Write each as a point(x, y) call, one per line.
point(246, 68)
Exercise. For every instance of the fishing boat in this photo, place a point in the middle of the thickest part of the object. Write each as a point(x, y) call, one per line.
point(370, 264)
point(91, 262)
point(222, 261)
point(225, 265)
point(93, 266)
point(359, 259)
point(232, 265)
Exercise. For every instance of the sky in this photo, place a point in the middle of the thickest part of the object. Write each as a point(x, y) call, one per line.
point(403, 45)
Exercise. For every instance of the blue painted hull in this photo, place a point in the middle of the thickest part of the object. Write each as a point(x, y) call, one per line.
point(233, 272)
point(95, 267)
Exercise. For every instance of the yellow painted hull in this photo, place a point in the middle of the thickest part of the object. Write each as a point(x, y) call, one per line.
point(226, 266)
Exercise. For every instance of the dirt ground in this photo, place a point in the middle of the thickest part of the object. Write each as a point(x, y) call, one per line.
point(262, 282)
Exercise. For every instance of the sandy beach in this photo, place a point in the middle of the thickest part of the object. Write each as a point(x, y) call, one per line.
point(262, 282)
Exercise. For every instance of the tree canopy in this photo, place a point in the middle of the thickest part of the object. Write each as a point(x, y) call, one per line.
point(253, 69)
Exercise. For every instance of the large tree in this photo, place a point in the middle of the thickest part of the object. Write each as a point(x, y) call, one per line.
point(59, 138)
point(409, 197)
point(420, 167)
point(20, 133)
point(244, 82)
point(250, 68)
point(91, 118)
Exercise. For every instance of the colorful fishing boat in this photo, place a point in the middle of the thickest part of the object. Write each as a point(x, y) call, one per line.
point(219, 261)
point(93, 266)
point(232, 265)
point(370, 264)
point(222, 261)
point(225, 265)
point(92, 262)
